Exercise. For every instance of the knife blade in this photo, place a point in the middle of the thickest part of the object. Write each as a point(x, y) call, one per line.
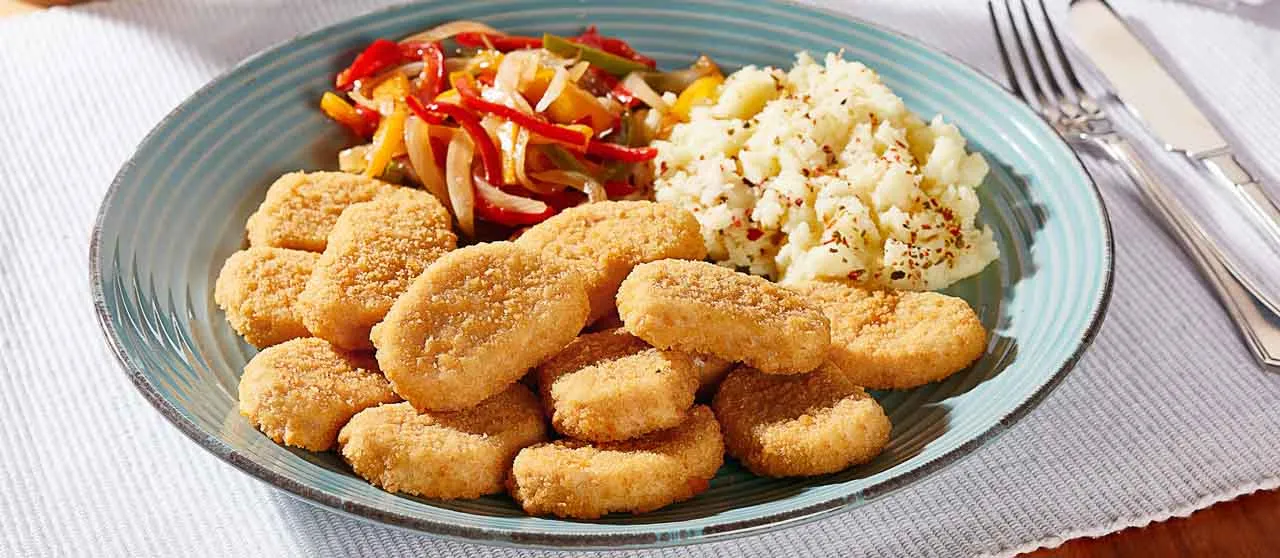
point(1144, 86)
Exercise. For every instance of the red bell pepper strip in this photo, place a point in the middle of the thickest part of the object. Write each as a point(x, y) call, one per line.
point(503, 216)
point(501, 43)
point(532, 122)
point(622, 95)
point(369, 120)
point(435, 113)
point(378, 56)
point(617, 152)
point(618, 47)
point(432, 54)
point(619, 189)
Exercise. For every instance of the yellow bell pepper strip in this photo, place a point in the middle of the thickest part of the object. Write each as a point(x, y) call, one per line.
point(360, 120)
point(392, 89)
point(701, 91)
point(573, 105)
point(534, 123)
point(387, 141)
point(611, 63)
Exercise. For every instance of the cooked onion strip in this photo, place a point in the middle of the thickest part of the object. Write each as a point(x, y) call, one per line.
point(554, 89)
point(509, 202)
point(448, 30)
point(579, 181)
point(458, 177)
point(578, 70)
point(635, 84)
point(417, 141)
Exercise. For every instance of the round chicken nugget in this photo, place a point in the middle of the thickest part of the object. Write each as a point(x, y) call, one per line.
point(614, 236)
point(612, 386)
point(301, 208)
point(700, 307)
point(711, 371)
point(463, 454)
point(257, 289)
point(376, 249)
point(897, 339)
point(475, 321)
point(799, 425)
point(302, 391)
point(575, 479)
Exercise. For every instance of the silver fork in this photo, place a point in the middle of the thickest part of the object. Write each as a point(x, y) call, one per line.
point(1083, 122)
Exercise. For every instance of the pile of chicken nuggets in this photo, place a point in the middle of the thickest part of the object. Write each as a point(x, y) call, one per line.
point(596, 364)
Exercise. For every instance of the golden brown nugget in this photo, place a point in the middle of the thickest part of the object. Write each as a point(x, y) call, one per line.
point(711, 371)
point(897, 339)
point(576, 479)
point(475, 321)
point(700, 307)
point(302, 391)
point(463, 454)
point(257, 289)
point(376, 249)
point(799, 425)
point(612, 386)
point(614, 236)
point(301, 208)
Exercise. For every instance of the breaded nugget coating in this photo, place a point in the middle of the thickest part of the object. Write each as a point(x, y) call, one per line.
point(611, 386)
point(375, 251)
point(257, 289)
point(576, 479)
point(897, 339)
point(301, 392)
point(711, 371)
point(612, 237)
point(700, 307)
point(301, 208)
point(799, 425)
point(475, 321)
point(462, 454)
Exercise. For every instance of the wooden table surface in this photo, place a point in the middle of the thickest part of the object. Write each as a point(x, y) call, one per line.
point(1248, 526)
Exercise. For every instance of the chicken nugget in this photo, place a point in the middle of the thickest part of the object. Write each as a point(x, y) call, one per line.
point(257, 289)
point(612, 237)
point(799, 425)
point(376, 249)
point(711, 371)
point(576, 479)
point(463, 454)
point(301, 392)
point(612, 386)
point(301, 208)
point(704, 308)
point(475, 321)
point(897, 339)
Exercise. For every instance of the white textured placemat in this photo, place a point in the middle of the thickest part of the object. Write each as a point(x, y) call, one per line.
point(1164, 415)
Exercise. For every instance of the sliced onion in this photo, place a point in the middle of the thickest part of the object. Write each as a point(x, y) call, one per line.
point(447, 30)
point(579, 181)
point(554, 89)
point(509, 202)
point(516, 69)
point(635, 84)
point(417, 141)
point(578, 70)
point(358, 97)
point(353, 159)
point(458, 177)
point(521, 155)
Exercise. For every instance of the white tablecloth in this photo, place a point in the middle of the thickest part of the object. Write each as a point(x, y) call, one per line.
point(1164, 415)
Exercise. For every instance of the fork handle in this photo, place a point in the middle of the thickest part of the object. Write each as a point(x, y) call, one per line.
point(1261, 332)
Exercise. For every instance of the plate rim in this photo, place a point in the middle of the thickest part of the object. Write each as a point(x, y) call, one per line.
point(582, 541)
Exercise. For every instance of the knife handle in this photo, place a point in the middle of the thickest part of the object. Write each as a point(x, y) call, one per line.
point(1228, 170)
point(1261, 331)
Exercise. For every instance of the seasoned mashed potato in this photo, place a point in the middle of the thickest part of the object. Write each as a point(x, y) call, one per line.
point(822, 172)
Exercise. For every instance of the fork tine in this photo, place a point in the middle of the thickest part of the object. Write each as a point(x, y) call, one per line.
point(1051, 80)
point(1036, 88)
point(1067, 69)
point(1004, 54)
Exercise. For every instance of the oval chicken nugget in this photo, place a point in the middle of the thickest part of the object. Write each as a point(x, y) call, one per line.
point(301, 208)
point(576, 479)
point(462, 454)
point(614, 236)
point(257, 289)
point(700, 307)
point(376, 249)
point(475, 321)
point(711, 371)
point(302, 391)
point(612, 386)
point(799, 425)
point(897, 339)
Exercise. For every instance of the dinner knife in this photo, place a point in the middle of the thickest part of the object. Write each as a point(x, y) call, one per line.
point(1147, 89)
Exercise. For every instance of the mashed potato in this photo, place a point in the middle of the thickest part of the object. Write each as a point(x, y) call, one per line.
point(822, 172)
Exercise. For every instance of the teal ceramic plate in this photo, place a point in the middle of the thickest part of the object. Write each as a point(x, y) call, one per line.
point(177, 210)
